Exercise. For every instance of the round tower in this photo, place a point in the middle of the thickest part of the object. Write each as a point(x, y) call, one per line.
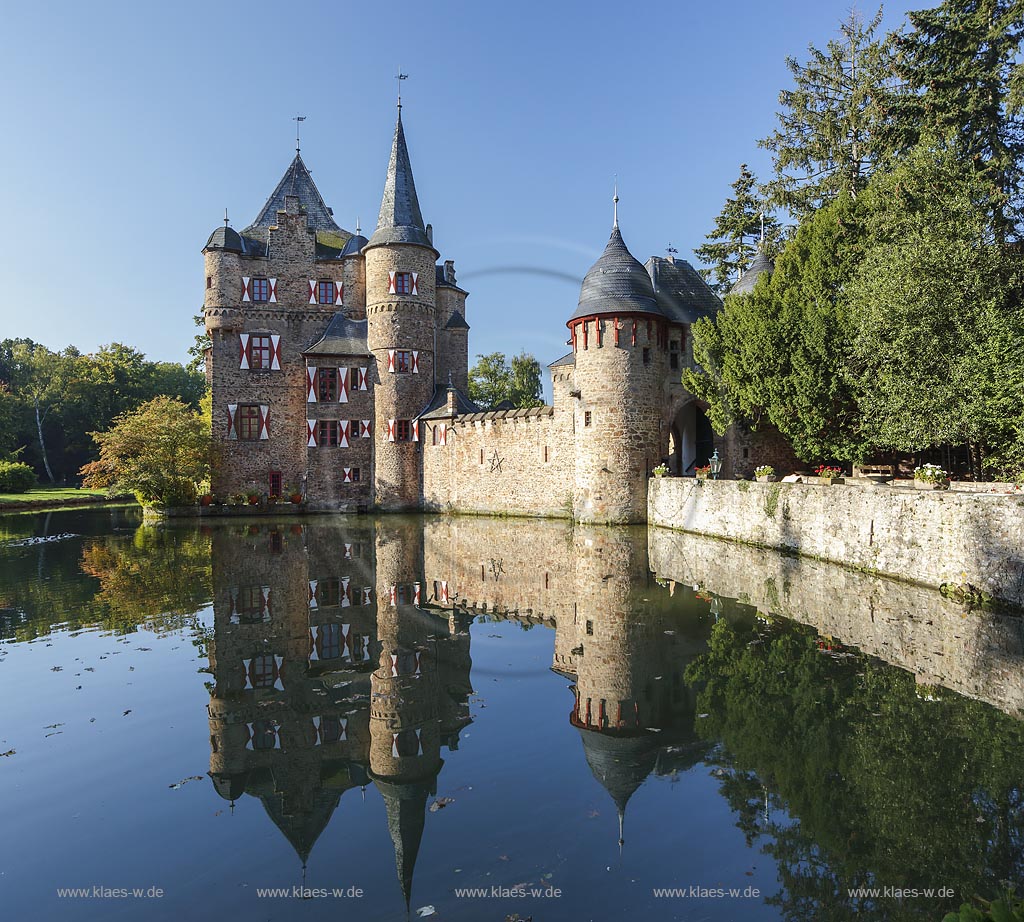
point(400, 308)
point(619, 337)
point(222, 258)
point(353, 274)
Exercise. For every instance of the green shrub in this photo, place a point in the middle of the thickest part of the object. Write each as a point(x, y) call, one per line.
point(16, 477)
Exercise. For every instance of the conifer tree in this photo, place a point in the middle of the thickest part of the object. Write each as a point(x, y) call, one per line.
point(829, 138)
point(737, 231)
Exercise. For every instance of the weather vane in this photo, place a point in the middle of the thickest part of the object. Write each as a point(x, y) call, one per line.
point(615, 202)
point(671, 250)
point(400, 77)
point(298, 119)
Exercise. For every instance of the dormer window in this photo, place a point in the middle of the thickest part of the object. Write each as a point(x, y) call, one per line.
point(403, 283)
point(260, 289)
point(325, 291)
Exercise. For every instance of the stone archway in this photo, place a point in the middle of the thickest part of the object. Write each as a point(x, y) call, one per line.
point(690, 439)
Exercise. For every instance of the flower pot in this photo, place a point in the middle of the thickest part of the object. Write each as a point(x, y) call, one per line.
point(296, 498)
point(931, 485)
point(702, 476)
point(767, 478)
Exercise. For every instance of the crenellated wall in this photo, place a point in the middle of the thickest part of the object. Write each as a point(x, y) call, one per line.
point(930, 537)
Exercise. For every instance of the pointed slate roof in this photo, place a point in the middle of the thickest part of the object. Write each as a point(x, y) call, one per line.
point(296, 181)
point(683, 294)
point(405, 804)
point(400, 219)
point(617, 283)
point(343, 336)
point(761, 263)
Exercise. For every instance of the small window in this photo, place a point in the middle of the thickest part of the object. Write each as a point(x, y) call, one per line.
point(435, 435)
point(328, 378)
point(275, 483)
point(325, 291)
point(673, 354)
point(403, 361)
point(248, 422)
point(264, 734)
point(328, 592)
point(355, 474)
point(586, 418)
point(481, 456)
point(647, 355)
point(260, 289)
point(328, 433)
point(590, 627)
point(547, 455)
point(260, 351)
point(263, 671)
point(746, 452)
point(403, 430)
point(209, 281)
point(403, 283)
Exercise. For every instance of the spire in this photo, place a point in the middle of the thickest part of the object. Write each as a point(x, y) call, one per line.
point(226, 221)
point(615, 203)
point(296, 181)
point(400, 219)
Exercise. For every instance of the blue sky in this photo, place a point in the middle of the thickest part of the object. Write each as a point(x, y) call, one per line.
point(130, 126)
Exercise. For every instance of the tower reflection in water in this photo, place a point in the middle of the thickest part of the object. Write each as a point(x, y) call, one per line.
point(341, 659)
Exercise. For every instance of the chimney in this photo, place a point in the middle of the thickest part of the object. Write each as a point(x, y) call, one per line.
point(291, 204)
point(449, 271)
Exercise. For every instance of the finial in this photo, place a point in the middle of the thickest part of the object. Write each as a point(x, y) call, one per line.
point(671, 250)
point(615, 203)
point(297, 119)
point(400, 77)
point(762, 228)
point(622, 841)
point(359, 230)
point(225, 217)
point(450, 385)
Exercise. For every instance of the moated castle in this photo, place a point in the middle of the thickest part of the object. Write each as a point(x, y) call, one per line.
point(339, 369)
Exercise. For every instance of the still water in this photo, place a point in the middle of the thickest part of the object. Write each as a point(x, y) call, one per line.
point(475, 719)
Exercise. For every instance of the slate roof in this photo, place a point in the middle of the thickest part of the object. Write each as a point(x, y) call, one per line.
point(442, 282)
point(761, 263)
point(343, 336)
point(355, 245)
point(437, 408)
point(616, 283)
point(400, 219)
point(567, 359)
point(224, 238)
point(406, 806)
point(456, 322)
point(683, 294)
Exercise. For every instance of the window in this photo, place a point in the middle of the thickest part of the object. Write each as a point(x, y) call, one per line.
point(249, 602)
point(325, 292)
point(276, 542)
point(275, 483)
point(248, 422)
point(261, 350)
point(403, 430)
point(328, 592)
point(647, 355)
point(260, 289)
point(403, 283)
point(330, 641)
point(209, 281)
point(328, 378)
point(481, 456)
point(264, 734)
point(328, 434)
point(263, 671)
point(355, 474)
point(586, 418)
point(435, 435)
point(590, 627)
point(403, 361)
point(673, 354)
point(546, 454)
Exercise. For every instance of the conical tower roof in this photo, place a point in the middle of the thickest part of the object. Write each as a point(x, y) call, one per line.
point(296, 181)
point(760, 264)
point(406, 805)
point(616, 284)
point(400, 219)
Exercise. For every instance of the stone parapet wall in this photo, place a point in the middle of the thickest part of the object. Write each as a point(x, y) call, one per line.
point(929, 537)
point(977, 654)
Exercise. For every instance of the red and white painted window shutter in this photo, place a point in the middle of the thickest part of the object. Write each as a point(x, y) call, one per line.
point(275, 352)
point(391, 281)
point(243, 350)
point(391, 361)
point(415, 286)
point(344, 431)
point(312, 291)
point(415, 363)
point(362, 378)
point(391, 430)
point(264, 421)
point(347, 478)
point(442, 438)
point(313, 597)
point(246, 288)
point(232, 429)
point(342, 385)
point(339, 292)
point(311, 384)
point(311, 433)
point(273, 291)
point(364, 428)
point(415, 430)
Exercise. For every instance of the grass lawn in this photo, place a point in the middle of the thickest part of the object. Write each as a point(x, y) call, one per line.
point(48, 496)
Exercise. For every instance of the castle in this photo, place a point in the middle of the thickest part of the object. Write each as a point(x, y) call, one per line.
point(339, 370)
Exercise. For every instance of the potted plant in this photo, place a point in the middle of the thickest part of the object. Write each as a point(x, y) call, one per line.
point(765, 474)
point(660, 471)
point(829, 475)
point(254, 499)
point(237, 499)
point(296, 498)
point(702, 473)
point(205, 500)
point(931, 477)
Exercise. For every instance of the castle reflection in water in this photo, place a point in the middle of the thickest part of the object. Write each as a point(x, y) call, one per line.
point(341, 658)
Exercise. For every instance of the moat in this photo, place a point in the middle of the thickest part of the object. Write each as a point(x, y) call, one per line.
point(490, 719)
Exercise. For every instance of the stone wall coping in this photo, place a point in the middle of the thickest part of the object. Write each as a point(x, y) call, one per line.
point(521, 413)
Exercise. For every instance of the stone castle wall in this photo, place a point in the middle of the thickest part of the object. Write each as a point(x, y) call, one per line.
point(931, 537)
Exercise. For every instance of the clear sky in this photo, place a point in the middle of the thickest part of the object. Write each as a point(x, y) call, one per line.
point(129, 127)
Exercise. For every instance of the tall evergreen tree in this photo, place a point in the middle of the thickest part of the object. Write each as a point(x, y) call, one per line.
point(737, 231)
point(962, 78)
point(829, 139)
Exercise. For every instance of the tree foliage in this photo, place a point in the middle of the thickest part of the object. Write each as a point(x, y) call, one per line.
point(737, 231)
point(493, 380)
point(159, 452)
